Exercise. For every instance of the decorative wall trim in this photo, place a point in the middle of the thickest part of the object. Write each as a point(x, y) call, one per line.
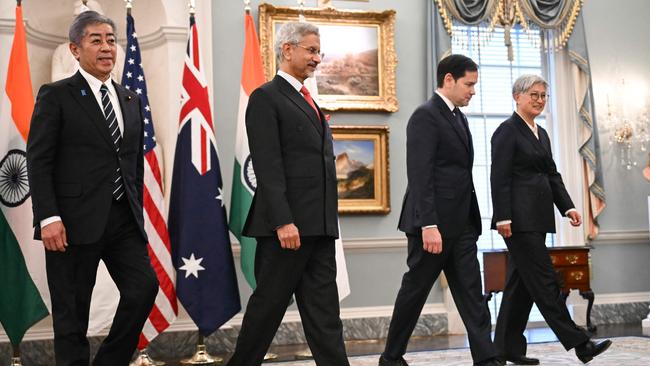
point(622, 237)
point(7, 26)
point(291, 316)
point(622, 298)
point(164, 34)
point(357, 245)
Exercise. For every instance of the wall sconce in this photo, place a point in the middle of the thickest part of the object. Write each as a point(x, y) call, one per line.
point(629, 125)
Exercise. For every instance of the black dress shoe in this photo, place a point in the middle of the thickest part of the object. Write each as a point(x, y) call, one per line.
point(383, 361)
point(521, 360)
point(590, 349)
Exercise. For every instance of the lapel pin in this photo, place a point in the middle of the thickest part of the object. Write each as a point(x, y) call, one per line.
point(83, 92)
point(128, 97)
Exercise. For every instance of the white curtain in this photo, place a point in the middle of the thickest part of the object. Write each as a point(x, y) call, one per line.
point(566, 84)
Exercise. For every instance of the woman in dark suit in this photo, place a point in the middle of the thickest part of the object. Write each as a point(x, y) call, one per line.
point(525, 185)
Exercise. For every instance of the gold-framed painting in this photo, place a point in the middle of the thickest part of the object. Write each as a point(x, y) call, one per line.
point(357, 71)
point(362, 169)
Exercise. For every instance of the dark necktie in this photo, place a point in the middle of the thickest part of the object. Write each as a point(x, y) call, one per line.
point(463, 125)
point(305, 92)
point(116, 137)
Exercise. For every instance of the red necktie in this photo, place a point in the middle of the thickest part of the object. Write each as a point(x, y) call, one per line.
point(305, 92)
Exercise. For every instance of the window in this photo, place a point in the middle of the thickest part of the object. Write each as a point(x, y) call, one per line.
point(491, 105)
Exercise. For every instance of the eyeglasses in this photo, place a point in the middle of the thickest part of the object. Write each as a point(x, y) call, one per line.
point(312, 51)
point(536, 96)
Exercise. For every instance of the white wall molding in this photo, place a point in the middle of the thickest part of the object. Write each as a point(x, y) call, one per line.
point(43, 330)
point(622, 237)
point(357, 245)
point(163, 35)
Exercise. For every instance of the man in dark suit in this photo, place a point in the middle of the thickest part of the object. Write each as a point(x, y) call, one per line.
point(85, 166)
point(440, 215)
point(294, 210)
point(525, 185)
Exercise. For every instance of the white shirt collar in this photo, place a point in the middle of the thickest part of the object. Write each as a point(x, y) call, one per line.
point(447, 101)
point(292, 80)
point(95, 84)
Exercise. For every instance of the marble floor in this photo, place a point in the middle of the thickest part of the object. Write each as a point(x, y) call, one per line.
point(445, 342)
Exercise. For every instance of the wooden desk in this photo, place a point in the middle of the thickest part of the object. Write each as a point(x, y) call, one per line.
point(571, 265)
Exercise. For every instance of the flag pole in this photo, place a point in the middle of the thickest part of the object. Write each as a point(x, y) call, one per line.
point(268, 356)
point(15, 358)
point(201, 356)
point(143, 358)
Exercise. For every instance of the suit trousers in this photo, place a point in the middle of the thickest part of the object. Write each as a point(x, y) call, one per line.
point(531, 278)
point(310, 273)
point(458, 260)
point(71, 278)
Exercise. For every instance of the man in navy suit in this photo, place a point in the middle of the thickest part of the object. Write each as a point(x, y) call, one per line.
point(440, 215)
point(85, 167)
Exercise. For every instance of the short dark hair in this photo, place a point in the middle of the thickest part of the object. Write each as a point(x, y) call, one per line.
point(456, 65)
point(84, 19)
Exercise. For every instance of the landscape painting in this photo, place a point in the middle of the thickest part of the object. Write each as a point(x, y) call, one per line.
point(357, 70)
point(350, 65)
point(361, 168)
point(355, 168)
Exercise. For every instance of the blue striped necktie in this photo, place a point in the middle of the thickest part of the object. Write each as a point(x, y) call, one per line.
point(116, 137)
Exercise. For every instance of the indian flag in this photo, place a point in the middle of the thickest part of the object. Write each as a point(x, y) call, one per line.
point(22, 270)
point(244, 183)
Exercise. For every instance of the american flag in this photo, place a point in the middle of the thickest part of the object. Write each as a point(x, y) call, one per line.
point(165, 308)
point(206, 283)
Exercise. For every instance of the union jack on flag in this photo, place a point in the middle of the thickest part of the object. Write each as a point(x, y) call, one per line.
point(206, 283)
point(165, 308)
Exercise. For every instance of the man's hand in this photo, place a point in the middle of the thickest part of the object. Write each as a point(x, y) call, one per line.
point(432, 240)
point(53, 236)
point(505, 230)
point(289, 236)
point(575, 217)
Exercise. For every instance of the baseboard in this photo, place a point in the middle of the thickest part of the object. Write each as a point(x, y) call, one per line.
point(43, 330)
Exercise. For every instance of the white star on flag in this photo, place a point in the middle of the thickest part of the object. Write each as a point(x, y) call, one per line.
point(146, 121)
point(220, 197)
point(192, 266)
point(133, 47)
point(129, 75)
point(146, 108)
point(138, 91)
point(134, 35)
point(131, 61)
point(140, 78)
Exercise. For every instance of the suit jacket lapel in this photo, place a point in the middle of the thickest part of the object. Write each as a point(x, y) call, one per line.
point(451, 119)
point(300, 101)
point(83, 95)
point(528, 134)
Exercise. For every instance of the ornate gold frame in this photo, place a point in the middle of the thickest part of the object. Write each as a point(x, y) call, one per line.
point(379, 135)
point(385, 21)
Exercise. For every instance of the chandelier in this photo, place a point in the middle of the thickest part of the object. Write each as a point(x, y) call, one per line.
point(553, 20)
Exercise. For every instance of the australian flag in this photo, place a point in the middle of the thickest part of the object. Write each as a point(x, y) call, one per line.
point(206, 283)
